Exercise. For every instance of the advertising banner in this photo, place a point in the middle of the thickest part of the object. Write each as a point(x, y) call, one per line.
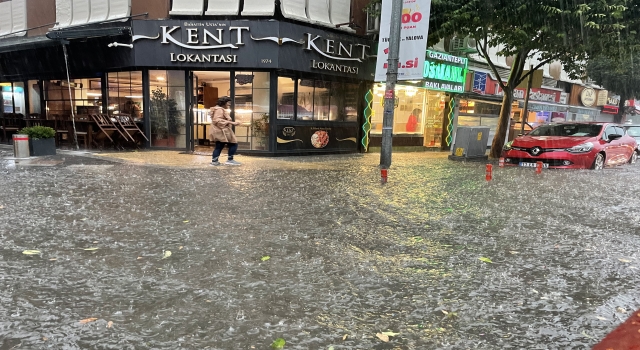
point(315, 138)
point(413, 39)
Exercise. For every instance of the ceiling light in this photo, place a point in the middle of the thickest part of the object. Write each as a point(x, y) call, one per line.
point(93, 94)
point(160, 78)
point(135, 96)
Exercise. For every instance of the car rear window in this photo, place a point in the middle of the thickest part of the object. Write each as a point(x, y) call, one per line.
point(576, 130)
point(634, 131)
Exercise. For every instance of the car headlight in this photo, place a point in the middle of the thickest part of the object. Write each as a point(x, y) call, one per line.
point(507, 146)
point(581, 148)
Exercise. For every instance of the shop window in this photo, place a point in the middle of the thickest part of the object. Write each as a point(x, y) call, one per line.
point(13, 98)
point(167, 108)
point(286, 99)
point(35, 97)
point(326, 100)
point(125, 94)
point(412, 111)
point(83, 96)
point(252, 109)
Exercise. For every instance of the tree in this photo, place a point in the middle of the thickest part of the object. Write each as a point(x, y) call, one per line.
point(545, 30)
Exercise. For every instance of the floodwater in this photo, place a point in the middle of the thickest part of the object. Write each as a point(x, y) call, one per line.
point(314, 251)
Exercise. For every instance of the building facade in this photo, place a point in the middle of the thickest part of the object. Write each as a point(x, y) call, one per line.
point(297, 71)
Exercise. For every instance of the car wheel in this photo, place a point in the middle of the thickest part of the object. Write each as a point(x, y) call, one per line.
point(598, 163)
point(634, 158)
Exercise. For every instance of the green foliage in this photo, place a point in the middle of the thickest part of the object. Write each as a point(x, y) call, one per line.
point(278, 344)
point(38, 132)
point(166, 119)
point(259, 128)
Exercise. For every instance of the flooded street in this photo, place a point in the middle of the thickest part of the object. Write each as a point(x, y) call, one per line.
point(314, 250)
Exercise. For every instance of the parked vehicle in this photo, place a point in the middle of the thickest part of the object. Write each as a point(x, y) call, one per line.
point(572, 145)
point(633, 131)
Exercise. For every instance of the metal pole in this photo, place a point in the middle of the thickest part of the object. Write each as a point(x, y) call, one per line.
point(525, 113)
point(392, 78)
point(71, 98)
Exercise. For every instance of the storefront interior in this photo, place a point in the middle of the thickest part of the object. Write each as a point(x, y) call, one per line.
point(419, 115)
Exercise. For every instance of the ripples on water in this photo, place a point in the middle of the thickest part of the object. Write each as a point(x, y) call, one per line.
point(347, 256)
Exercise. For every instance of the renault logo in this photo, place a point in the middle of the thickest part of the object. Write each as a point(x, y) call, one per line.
point(536, 151)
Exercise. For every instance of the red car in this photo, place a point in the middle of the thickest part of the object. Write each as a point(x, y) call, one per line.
point(572, 145)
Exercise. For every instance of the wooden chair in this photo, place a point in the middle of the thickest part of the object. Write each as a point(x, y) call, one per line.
point(10, 124)
point(83, 131)
point(130, 127)
point(108, 130)
point(61, 126)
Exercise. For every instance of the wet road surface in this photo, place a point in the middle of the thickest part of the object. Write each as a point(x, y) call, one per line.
point(315, 251)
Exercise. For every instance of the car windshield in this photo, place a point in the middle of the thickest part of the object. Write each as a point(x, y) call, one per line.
point(634, 131)
point(577, 130)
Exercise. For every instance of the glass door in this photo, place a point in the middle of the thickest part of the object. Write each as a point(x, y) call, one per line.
point(208, 87)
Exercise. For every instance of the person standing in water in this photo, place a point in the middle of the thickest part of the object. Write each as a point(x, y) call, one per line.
point(222, 132)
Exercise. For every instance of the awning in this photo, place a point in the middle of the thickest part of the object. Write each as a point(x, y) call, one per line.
point(19, 44)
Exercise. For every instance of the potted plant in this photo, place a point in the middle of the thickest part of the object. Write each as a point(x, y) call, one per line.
point(41, 140)
point(260, 131)
point(166, 119)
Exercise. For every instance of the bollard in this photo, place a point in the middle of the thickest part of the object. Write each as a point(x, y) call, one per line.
point(489, 173)
point(21, 146)
point(538, 167)
point(501, 162)
point(383, 175)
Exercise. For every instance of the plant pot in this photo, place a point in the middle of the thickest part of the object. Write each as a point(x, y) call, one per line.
point(42, 147)
point(169, 142)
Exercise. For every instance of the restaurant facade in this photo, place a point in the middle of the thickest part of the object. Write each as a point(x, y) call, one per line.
point(295, 88)
point(424, 109)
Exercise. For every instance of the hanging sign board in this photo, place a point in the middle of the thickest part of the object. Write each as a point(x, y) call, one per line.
point(413, 39)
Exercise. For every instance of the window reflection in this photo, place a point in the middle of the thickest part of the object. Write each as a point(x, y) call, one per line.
point(125, 94)
point(167, 106)
point(252, 109)
point(84, 96)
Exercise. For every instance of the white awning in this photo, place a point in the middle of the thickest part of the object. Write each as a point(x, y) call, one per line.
point(223, 8)
point(119, 8)
point(294, 9)
point(187, 7)
point(19, 13)
point(6, 25)
point(99, 10)
point(63, 13)
point(318, 11)
point(259, 8)
point(81, 12)
point(340, 11)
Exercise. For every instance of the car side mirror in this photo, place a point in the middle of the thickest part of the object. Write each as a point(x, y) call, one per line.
point(614, 137)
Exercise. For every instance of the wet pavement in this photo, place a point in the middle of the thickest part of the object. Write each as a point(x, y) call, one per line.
point(158, 250)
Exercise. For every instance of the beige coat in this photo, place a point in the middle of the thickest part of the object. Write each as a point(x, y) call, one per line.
point(221, 124)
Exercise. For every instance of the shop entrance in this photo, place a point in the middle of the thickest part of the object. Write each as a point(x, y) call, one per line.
point(249, 92)
point(208, 87)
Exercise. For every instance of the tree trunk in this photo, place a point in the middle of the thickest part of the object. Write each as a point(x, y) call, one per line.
point(622, 110)
point(503, 123)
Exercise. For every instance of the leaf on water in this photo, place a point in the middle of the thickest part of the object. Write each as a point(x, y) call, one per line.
point(445, 312)
point(1, 206)
point(45, 338)
point(109, 324)
point(91, 249)
point(53, 259)
point(331, 348)
point(186, 221)
point(390, 334)
point(278, 344)
point(166, 254)
point(602, 318)
point(139, 258)
point(265, 258)
point(487, 260)
point(180, 248)
point(31, 252)
point(383, 337)
point(535, 291)
point(625, 260)
point(621, 310)
point(88, 320)
point(345, 337)
point(513, 252)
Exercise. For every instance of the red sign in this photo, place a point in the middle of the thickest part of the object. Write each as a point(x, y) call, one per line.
point(388, 94)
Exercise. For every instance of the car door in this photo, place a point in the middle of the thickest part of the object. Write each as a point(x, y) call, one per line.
point(611, 147)
point(626, 145)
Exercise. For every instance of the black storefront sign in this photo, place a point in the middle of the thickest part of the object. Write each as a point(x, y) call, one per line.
point(316, 138)
point(209, 44)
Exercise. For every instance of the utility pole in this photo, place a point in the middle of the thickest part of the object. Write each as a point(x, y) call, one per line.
point(392, 78)
point(525, 113)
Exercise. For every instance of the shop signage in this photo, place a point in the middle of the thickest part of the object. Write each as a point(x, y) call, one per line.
point(542, 95)
point(249, 44)
point(588, 97)
point(314, 138)
point(444, 72)
point(413, 34)
point(613, 101)
point(603, 95)
point(564, 98)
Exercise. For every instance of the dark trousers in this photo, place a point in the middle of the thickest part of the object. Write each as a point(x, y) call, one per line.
point(233, 147)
